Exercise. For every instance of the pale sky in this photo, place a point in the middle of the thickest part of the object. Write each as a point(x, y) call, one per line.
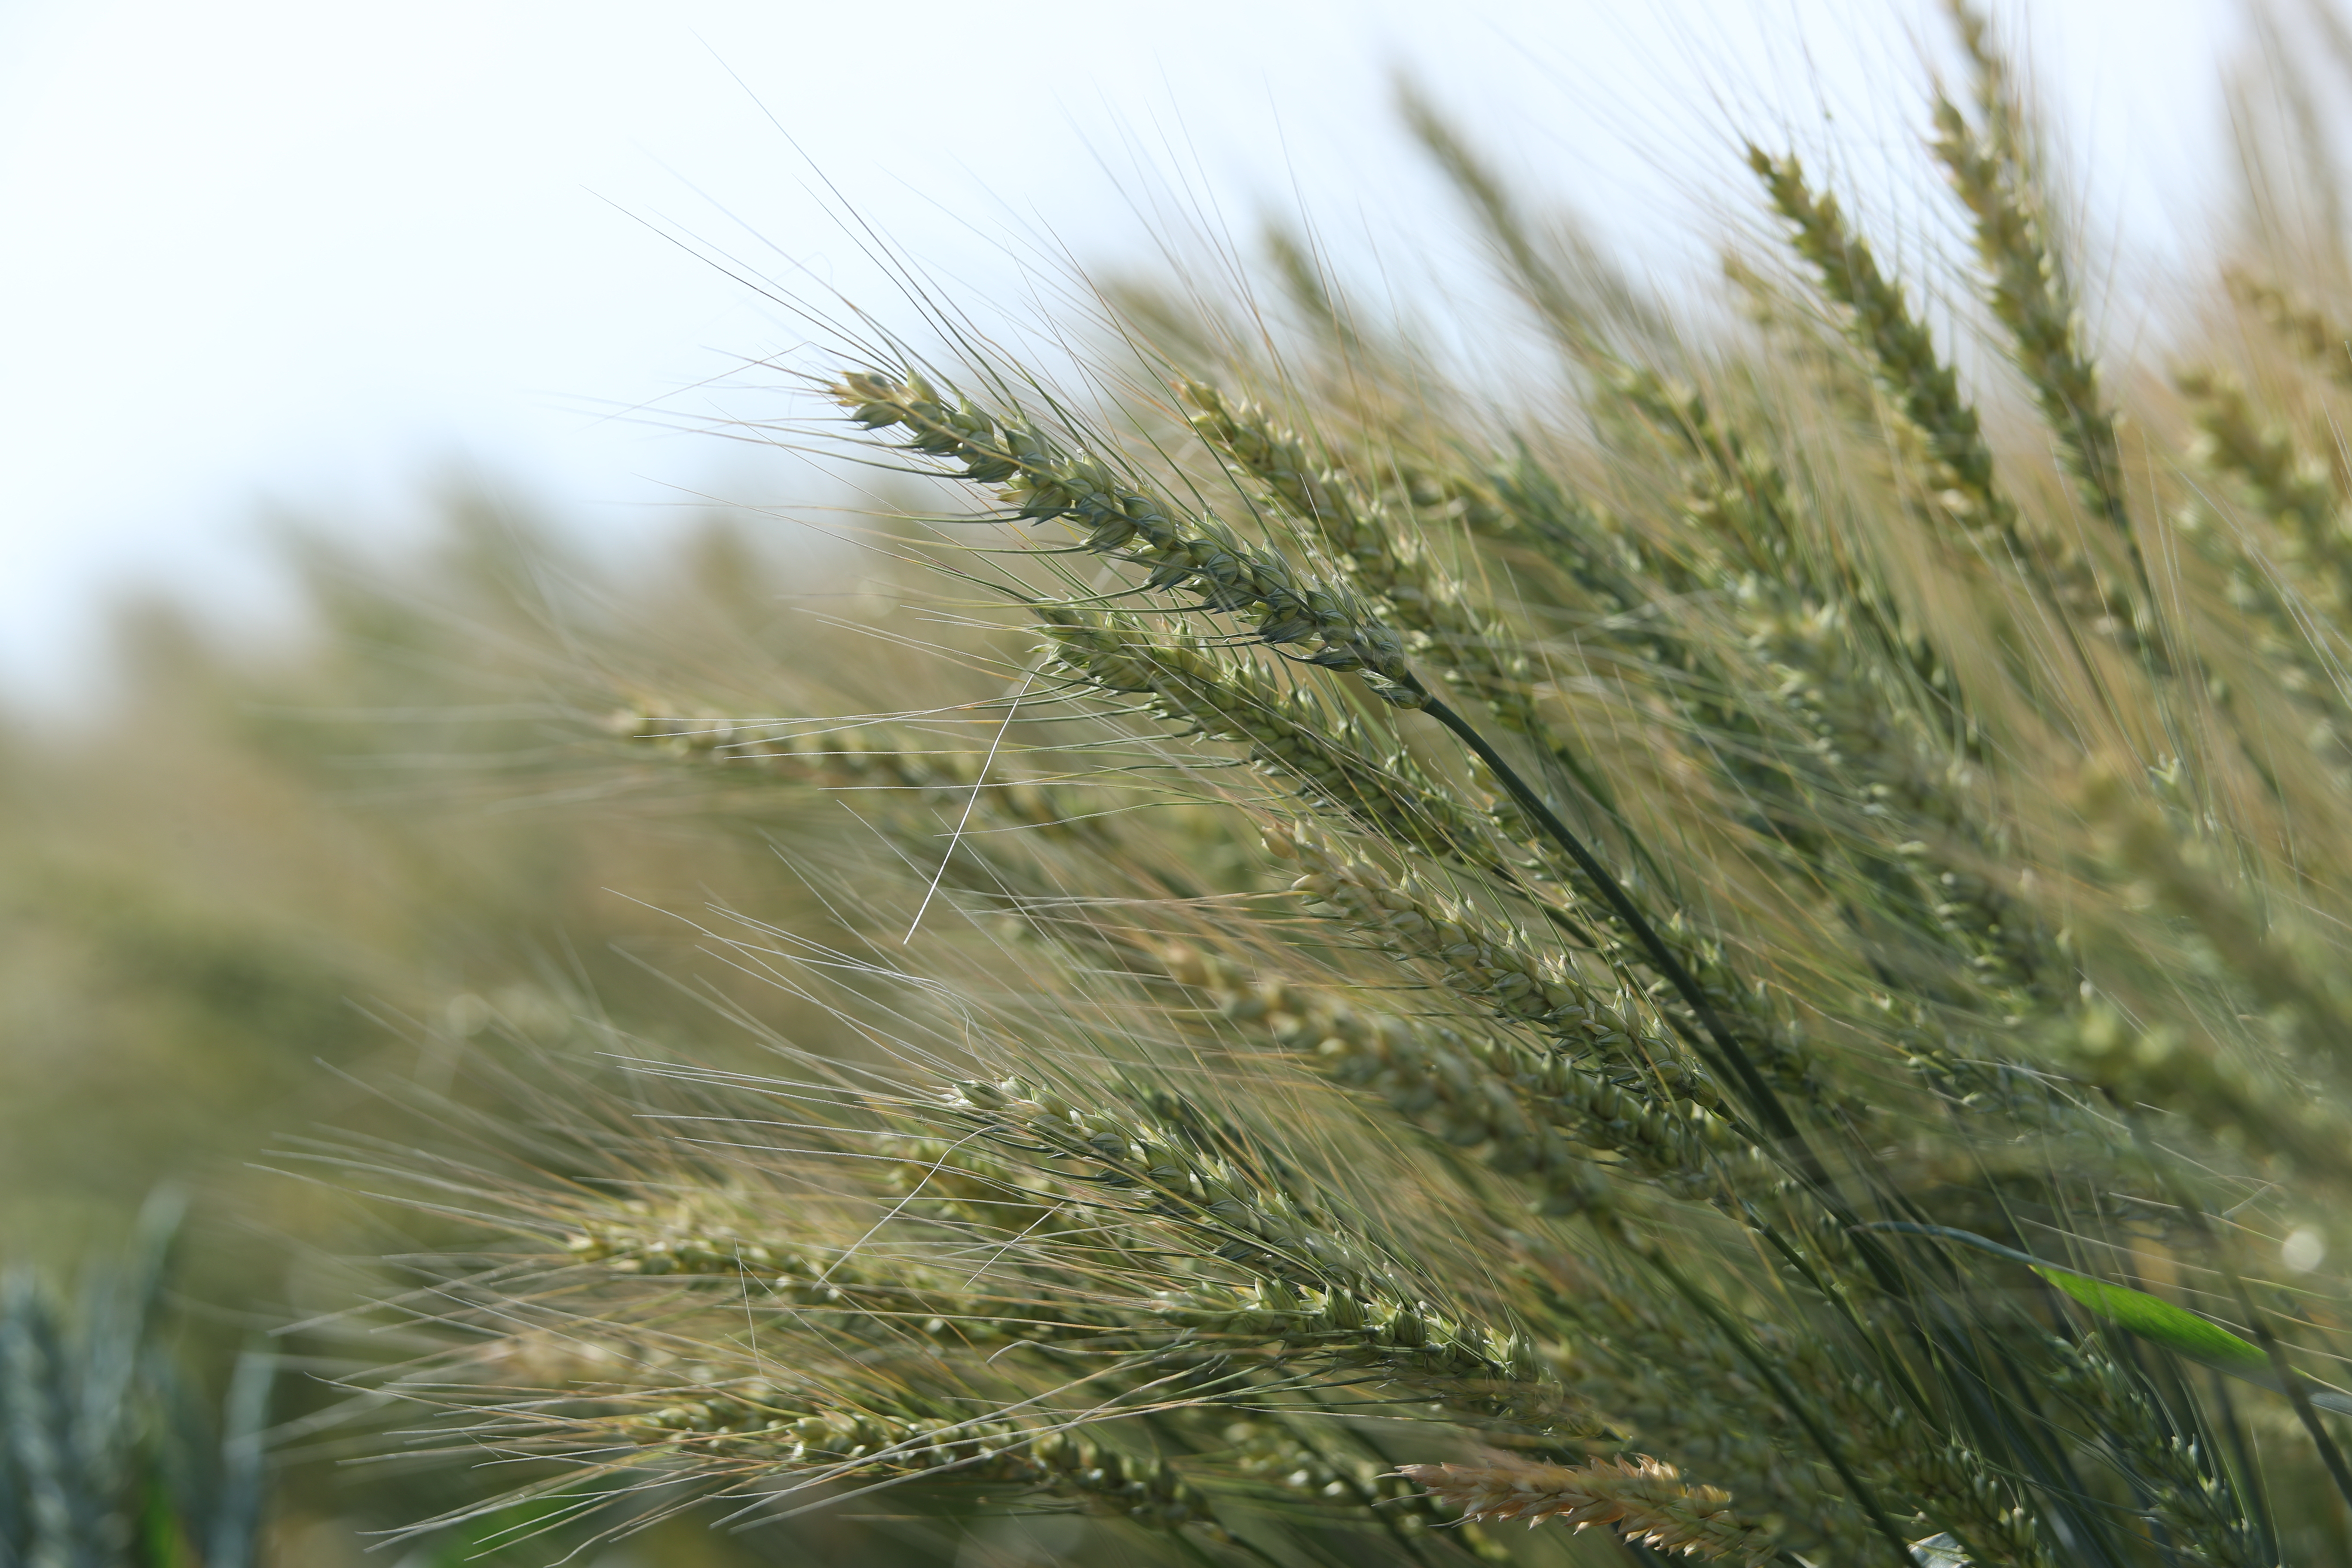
point(308, 256)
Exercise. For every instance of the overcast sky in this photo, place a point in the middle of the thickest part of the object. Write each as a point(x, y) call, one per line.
point(307, 256)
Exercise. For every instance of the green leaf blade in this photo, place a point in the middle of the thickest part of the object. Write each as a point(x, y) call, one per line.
point(2182, 1332)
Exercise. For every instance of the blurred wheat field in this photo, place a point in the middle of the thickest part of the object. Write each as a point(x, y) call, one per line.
point(1732, 949)
point(274, 879)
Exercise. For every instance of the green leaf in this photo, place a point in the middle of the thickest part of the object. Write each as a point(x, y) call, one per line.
point(2183, 1333)
point(166, 1540)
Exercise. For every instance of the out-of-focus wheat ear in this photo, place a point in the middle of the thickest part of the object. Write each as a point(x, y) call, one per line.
point(1169, 325)
point(1308, 285)
point(1996, 173)
point(2318, 337)
point(1281, 1452)
point(2189, 1489)
point(828, 754)
point(2291, 488)
point(2031, 295)
point(1902, 350)
point(2293, 591)
point(1818, 1385)
point(2302, 215)
point(2183, 1070)
point(39, 1401)
point(1999, 98)
point(2258, 956)
point(1642, 1500)
point(1811, 349)
point(2285, 1375)
point(2286, 485)
point(1926, 390)
point(2298, 649)
point(1498, 215)
point(235, 1538)
point(1573, 290)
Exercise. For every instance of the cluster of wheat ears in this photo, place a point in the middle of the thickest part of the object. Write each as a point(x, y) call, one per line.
point(1739, 953)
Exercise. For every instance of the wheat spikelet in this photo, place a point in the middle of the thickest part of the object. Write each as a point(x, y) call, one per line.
point(1642, 1499)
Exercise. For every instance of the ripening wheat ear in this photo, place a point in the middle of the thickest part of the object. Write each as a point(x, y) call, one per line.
point(1642, 1500)
point(1469, 648)
point(1844, 1118)
point(1289, 606)
point(1239, 579)
point(1998, 176)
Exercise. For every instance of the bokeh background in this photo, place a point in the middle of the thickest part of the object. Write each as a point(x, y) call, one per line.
point(384, 389)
